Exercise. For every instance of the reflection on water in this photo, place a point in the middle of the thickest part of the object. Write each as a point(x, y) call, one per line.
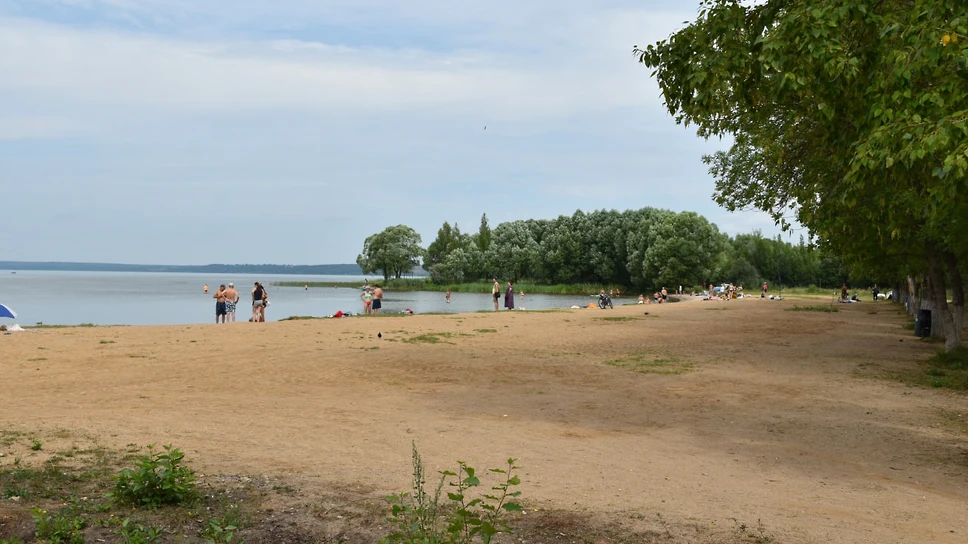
point(144, 298)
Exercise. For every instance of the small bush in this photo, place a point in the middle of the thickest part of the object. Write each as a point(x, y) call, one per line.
point(420, 518)
point(159, 479)
point(62, 528)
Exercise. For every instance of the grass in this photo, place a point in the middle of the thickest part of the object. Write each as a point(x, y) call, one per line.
point(816, 308)
point(619, 319)
point(433, 338)
point(72, 490)
point(646, 363)
point(947, 370)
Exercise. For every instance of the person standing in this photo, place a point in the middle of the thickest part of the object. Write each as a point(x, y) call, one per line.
point(876, 291)
point(377, 298)
point(257, 295)
point(367, 298)
point(448, 296)
point(496, 293)
point(265, 304)
point(231, 299)
point(509, 296)
point(219, 297)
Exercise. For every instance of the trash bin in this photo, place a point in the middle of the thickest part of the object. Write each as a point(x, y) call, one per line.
point(922, 323)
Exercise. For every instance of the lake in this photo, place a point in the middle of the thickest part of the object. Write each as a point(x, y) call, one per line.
point(146, 298)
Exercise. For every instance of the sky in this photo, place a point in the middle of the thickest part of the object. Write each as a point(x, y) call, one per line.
point(248, 131)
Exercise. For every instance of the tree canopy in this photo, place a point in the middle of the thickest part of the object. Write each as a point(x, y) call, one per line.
point(393, 252)
point(849, 115)
point(645, 248)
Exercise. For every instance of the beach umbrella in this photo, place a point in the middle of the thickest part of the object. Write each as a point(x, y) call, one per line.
point(7, 311)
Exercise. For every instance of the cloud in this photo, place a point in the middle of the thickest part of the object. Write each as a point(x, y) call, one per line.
point(306, 125)
point(108, 66)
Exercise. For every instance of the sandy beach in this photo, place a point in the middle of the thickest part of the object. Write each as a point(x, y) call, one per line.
point(708, 414)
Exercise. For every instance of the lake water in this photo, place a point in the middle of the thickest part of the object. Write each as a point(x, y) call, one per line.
point(145, 298)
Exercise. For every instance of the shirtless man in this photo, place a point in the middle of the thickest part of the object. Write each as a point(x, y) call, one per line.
point(219, 297)
point(231, 299)
point(377, 298)
point(496, 293)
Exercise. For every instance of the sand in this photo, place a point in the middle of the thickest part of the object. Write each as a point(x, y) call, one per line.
point(746, 414)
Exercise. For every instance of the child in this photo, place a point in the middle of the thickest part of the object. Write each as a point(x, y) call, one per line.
point(448, 296)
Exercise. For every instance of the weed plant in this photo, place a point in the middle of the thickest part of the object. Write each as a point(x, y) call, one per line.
point(420, 517)
point(159, 479)
point(62, 528)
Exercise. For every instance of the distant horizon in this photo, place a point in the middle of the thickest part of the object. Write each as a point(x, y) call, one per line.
point(213, 268)
point(106, 263)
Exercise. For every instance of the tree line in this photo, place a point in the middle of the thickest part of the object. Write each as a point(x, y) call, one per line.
point(850, 114)
point(646, 248)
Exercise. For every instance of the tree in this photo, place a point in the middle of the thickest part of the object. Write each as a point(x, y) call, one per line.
point(484, 235)
point(514, 253)
point(681, 250)
point(448, 239)
point(851, 114)
point(394, 252)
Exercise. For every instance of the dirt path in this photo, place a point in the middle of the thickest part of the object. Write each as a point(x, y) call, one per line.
point(757, 413)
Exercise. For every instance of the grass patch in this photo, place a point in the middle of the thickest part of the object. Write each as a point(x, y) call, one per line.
point(299, 318)
point(815, 308)
point(485, 331)
point(433, 338)
point(619, 319)
point(647, 363)
point(107, 342)
point(947, 370)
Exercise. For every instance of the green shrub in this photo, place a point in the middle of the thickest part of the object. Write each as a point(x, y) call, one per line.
point(420, 518)
point(159, 479)
point(62, 528)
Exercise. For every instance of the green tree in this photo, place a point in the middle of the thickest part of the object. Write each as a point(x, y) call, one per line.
point(852, 114)
point(394, 252)
point(483, 235)
point(681, 250)
point(448, 239)
point(514, 252)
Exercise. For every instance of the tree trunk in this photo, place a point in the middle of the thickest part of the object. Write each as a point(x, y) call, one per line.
point(939, 296)
point(913, 303)
point(957, 290)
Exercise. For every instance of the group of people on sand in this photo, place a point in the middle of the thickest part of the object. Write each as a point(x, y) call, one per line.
point(226, 299)
point(372, 297)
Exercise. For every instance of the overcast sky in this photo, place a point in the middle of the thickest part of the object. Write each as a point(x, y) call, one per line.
point(249, 131)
